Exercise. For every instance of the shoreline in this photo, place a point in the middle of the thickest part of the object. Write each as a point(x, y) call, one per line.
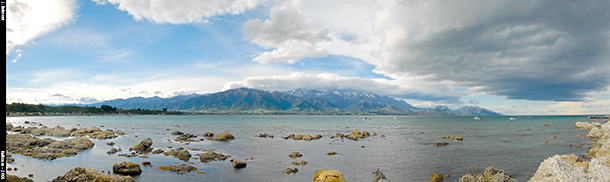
point(600, 126)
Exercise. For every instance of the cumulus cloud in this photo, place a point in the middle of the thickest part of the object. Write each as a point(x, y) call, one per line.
point(290, 32)
point(534, 50)
point(181, 12)
point(400, 89)
point(31, 19)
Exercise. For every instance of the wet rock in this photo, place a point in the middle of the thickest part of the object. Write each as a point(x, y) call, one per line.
point(438, 178)
point(239, 164)
point(264, 135)
point(157, 151)
point(144, 145)
point(46, 149)
point(303, 162)
point(184, 155)
point(177, 133)
point(208, 134)
point(324, 175)
point(102, 134)
point(212, 156)
point(298, 137)
point(112, 151)
point(295, 155)
point(490, 174)
point(307, 137)
point(87, 174)
point(223, 136)
point(17, 178)
point(126, 168)
point(332, 153)
point(290, 170)
point(110, 143)
point(456, 138)
point(378, 176)
point(146, 163)
point(181, 169)
point(441, 144)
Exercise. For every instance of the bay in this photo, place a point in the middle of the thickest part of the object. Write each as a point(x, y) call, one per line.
point(405, 153)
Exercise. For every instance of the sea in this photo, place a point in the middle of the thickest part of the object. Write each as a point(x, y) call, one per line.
point(403, 148)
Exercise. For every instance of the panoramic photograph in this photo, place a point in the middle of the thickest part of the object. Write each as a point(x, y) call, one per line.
point(307, 90)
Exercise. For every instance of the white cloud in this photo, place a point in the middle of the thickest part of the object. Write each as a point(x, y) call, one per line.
point(31, 19)
point(18, 51)
point(182, 12)
point(290, 32)
point(401, 88)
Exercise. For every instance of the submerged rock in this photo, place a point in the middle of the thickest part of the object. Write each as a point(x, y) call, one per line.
point(181, 169)
point(126, 168)
point(88, 174)
point(212, 156)
point(324, 175)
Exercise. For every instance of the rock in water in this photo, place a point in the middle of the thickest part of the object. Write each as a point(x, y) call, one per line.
point(223, 136)
point(325, 175)
point(438, 178)
point(127, 168)
point(378, 176)
point(490, 174)
point(143, 145)
point(239, 164)
point(88, 174)
point(295, 155)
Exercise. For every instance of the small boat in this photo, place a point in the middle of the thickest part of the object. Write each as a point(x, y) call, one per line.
point(477, 118)
point(513, 118)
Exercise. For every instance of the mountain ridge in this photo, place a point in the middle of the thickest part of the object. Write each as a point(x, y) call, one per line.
point(297, 101)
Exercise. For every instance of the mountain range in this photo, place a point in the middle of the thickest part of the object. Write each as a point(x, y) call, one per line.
point(298, 101)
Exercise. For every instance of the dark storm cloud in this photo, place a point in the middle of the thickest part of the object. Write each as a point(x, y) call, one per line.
point(534, 50)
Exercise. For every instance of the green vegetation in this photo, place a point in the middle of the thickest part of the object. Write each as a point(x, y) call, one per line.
point(33, 109)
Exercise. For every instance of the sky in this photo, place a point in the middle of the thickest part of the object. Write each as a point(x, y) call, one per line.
point(516, 57)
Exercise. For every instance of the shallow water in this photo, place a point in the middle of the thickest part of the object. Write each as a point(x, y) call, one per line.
point(404, 154)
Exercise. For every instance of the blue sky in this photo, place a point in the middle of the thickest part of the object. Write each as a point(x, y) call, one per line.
point(514, 57)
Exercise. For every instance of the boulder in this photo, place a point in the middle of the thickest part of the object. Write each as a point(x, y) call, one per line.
point(88, 174)
point(307, 137)
point(378, 176)
point(184, 155)
point(126, 168)
point(212, 156)
point(144, 145)
point(324, 175)
point(561, 168)
point(177, 133)
point(239, 164)
point(222, 136)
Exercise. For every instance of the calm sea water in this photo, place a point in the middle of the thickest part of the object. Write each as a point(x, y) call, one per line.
point(404, 154)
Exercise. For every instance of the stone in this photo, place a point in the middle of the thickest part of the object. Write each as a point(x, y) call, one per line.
point(223, 136)
point(490, 175)
point(295, 155)
point(144, 145)
point(212, 156)
point(208, 134)
point(126, 168)
point(441, 144)
point(378, 176)
point(437, 177)
point(181, 169)
point(88, 174)
point(17, 178)
point(324, 175)
point(177, 132)
point(290, 170)
point(456, 138)
point(239, 164)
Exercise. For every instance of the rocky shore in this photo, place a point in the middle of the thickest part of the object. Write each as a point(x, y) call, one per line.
point(591, 166)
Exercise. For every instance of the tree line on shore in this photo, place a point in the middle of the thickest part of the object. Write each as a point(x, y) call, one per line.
point(40, 109)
